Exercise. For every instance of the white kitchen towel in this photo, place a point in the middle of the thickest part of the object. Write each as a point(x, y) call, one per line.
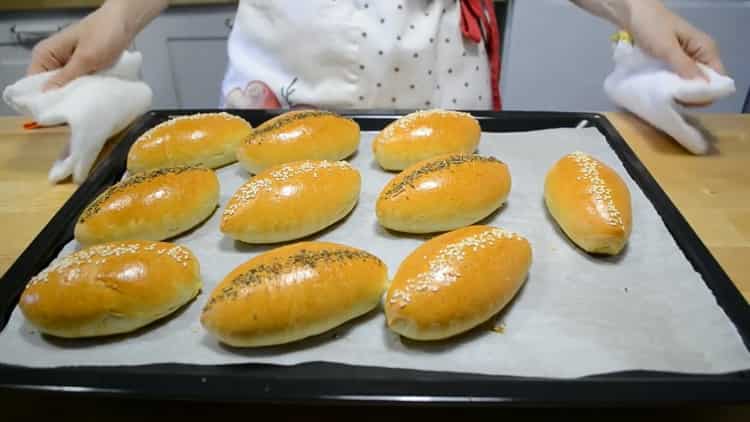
point(94, 106)
point(647, 88)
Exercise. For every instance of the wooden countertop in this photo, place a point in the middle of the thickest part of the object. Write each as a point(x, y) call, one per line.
point(713, 192)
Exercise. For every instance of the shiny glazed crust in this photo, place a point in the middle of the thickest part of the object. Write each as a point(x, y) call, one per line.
point(293, 292)
point(155, 205)
point(204, 139)
point(111, 288)
point(443, 193)
point(590, 203)
point(290, 201)
point(456, 281)
point(425, 134)
point(299, 135)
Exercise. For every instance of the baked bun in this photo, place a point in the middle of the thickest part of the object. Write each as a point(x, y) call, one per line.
point(111, 288)
point(590, 202)
point(456, 281)
point(425, 134)
point(294, 292)
point(443, 193)
point(291, 201)
point(299, 135)
point(155, 205)
point(205, 139)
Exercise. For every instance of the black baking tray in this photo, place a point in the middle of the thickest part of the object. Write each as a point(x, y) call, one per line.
point(321, 382)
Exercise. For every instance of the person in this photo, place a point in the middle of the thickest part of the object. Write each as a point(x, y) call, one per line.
point(362, 53)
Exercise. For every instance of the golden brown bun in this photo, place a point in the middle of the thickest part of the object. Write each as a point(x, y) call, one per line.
point(590, 202)
point(456, 281)
point(425, 134)
point(111, 288)
point(155, 205)
point(291, 201)
point(294, 292)
point(206, 139)
point(299, 135)
point(443, 193)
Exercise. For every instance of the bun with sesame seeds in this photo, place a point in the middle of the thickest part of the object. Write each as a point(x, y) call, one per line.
point(204, 139)
point(425, 134)
point(590, 203)
point(111, 288)
point(456, 281)
point(443, 193)
point(290, 201)
point(155, 205)
point(299, 135)
point(293, 292)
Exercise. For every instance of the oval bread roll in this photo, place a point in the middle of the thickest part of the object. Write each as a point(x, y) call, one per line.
point(155, 205)
point(299, 135)
point(205, 139)
point(590, 202)
point(456, 281)
point(291, 201)
point(425, 134)
point(294, 292)
point(443, 193)
point(111, 288)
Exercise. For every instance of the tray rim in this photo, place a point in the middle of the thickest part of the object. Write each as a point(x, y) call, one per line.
point(268, 383)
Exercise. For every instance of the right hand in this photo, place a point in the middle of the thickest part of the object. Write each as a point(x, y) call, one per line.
point(672, 39)
point(90, 45)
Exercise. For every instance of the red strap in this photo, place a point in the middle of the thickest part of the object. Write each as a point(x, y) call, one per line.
point(470, 21)
point(31, 125)
point(478, 21)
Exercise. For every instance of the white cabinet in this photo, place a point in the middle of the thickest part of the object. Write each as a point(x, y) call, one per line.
point(185, 55)
point(556, 56)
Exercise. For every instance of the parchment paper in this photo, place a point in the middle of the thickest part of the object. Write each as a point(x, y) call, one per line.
point(576, 315)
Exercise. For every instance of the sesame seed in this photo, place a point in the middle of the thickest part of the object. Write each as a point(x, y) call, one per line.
point(406, 122)
point(589, 172)
point(128, 183)
point(405, 180)
point(265, 182)
point(442, 267)
point(96, 255)
point(197, 116)
point(256, 137)
point(273, 273)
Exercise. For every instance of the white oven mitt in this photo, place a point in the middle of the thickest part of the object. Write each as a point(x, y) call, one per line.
point(94, 106)
point(647, 88)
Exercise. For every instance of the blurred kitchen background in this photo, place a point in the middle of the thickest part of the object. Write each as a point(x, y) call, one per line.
point(554, 56)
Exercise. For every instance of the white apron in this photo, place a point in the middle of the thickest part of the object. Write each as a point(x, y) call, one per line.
point(354, 54)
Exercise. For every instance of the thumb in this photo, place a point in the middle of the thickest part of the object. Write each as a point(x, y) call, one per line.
point(682, 64)
point(74, 68)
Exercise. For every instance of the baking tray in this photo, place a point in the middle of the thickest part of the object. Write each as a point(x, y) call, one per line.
point(322, 382)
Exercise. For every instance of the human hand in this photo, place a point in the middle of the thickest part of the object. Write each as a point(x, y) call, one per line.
point(94, 43)
point(668, 37)
point(90, 45)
